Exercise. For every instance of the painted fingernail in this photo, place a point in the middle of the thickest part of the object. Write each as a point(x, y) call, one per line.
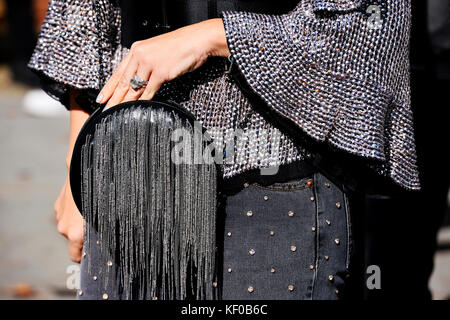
point(99, 98)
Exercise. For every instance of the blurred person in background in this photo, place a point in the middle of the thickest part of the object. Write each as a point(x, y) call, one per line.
point(24, 18)
point(22, 37)
point(401, 228)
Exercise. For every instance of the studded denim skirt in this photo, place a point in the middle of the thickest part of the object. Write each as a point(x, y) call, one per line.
point(288, 241)
point(283, 241)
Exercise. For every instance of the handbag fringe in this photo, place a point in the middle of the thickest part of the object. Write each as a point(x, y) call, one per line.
point(155, 220)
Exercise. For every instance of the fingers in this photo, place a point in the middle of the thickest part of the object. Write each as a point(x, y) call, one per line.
point(124, 84)
point(75, 235)
point(70, 223)
point(62, 228)
point(152, 87)
point(143, 72)
point(75, 249)
point(118, 89)
point(108, 90)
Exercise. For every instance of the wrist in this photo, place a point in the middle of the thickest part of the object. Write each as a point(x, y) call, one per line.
point(217, 45)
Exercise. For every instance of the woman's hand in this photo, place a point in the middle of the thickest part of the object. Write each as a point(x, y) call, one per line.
point(70, 221)
point(164, 58)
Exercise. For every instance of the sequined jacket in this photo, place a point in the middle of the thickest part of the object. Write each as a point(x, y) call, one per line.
point(336, 70)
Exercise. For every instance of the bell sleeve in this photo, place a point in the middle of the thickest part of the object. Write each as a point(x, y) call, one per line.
point(337, 69)
point(76, 46)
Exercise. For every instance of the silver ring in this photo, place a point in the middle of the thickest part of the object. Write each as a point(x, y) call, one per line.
point(137, 83)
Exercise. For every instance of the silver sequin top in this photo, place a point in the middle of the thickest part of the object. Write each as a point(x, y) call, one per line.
point(338, 69)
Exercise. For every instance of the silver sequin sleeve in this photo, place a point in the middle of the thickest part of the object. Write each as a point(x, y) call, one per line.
point(78, 41)
point(337, 69)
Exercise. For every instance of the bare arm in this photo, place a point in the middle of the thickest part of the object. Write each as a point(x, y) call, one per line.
point(70, 221)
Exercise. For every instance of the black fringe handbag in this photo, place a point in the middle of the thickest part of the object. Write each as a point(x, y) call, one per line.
point(154, 215)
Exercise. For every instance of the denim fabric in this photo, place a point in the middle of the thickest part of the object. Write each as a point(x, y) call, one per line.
point(333, 207)
point(311, 215)
point(91, 277)
point(315, 270)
